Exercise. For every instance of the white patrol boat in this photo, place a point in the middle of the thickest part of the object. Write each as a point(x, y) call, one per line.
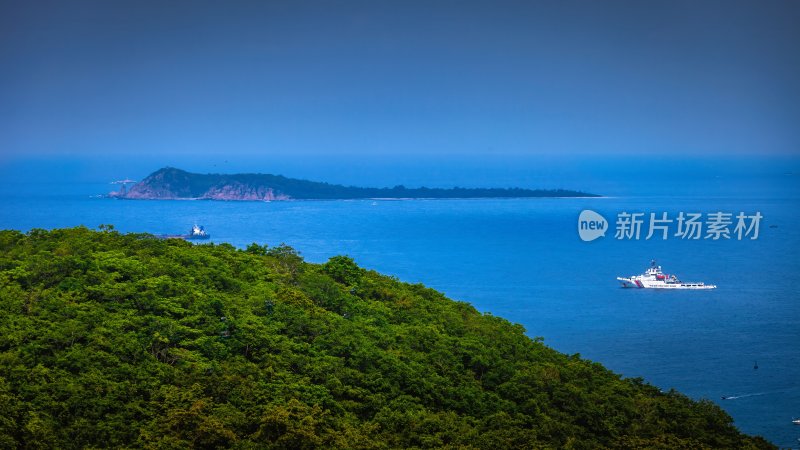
point(654, 278)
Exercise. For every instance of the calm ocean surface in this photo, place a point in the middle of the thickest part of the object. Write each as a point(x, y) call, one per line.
point(522, 259)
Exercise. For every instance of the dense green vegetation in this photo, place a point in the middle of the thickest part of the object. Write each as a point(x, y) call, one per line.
point(170, 182)
point(112, 340)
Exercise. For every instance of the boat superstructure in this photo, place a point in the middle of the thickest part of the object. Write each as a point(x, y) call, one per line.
point(654, 278)
point(198, 232)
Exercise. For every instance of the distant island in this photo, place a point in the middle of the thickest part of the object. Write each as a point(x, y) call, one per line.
point(170, 183)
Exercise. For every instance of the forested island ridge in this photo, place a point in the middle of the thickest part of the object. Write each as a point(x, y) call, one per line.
point(170, 183)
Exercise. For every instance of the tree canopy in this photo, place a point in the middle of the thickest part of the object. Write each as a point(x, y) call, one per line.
point(124, 340)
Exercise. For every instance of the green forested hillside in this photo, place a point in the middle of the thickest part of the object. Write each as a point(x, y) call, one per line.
point(111, 340)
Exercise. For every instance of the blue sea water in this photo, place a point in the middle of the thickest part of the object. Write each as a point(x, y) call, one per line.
point(522, 259)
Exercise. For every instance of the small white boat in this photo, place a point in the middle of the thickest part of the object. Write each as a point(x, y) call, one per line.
point(654, 278)
point(796, 421)
point(198, 232)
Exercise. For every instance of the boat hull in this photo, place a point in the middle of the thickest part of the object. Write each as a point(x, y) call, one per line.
point(186, 237)
point(657, 284)
point(192, 237)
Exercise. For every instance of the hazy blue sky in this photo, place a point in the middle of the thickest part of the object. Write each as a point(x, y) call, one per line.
point(168, 79)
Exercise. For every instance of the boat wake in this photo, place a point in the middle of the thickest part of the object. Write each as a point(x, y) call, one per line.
point(734, 397)
point(756, 394)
